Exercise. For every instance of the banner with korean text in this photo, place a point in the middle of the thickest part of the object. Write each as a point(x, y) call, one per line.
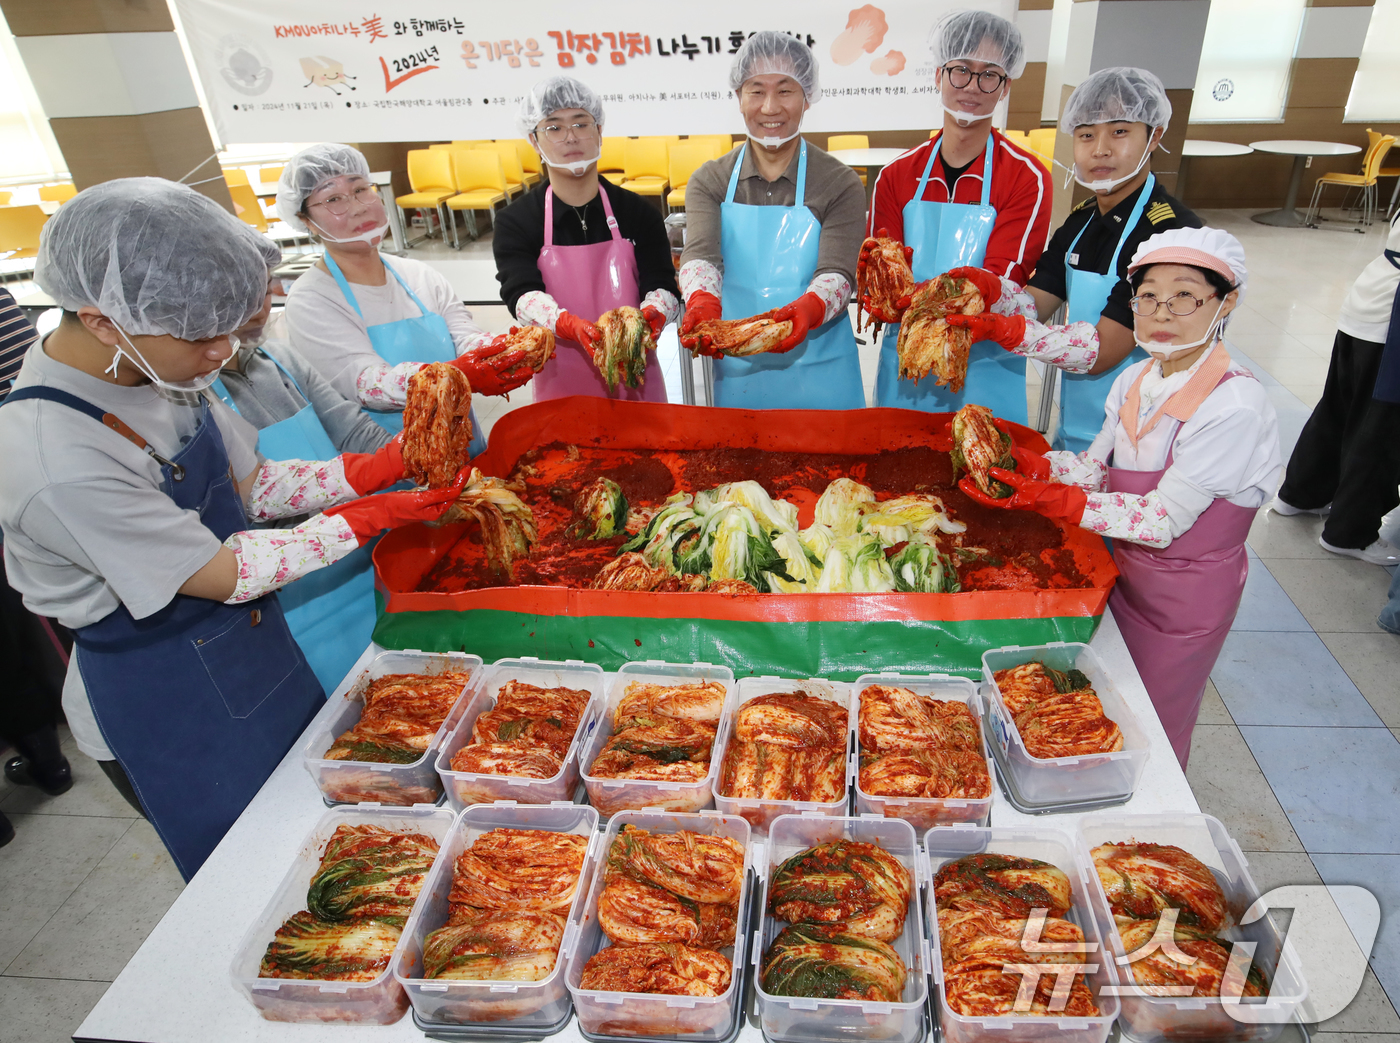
point(389, 70)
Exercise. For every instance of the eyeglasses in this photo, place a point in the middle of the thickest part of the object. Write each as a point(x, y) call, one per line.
point(988, 81)
point(1146, 304)
point(340, 203)
point(560, 131)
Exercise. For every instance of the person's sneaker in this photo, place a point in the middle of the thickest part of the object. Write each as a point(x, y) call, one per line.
point(1288, 510)
point(1378, 553)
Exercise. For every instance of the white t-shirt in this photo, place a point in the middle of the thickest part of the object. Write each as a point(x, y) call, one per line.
point(328, 333)
point(87, 525)
point(1227, 450)
point(1366, 311)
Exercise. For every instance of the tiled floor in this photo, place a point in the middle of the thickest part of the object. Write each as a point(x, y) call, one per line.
point(1296, 750)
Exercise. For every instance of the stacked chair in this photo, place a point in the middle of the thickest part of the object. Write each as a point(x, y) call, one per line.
point(1366, 181)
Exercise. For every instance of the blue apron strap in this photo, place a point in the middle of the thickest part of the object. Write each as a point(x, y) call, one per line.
point(221, 389)
point(987, 172)
point(928, 169)
point(1070, 252)
point(411, 295)
point(304, 396)
point(344, 283)
point(801, 173)
point(734, 175)
point(1133, 218)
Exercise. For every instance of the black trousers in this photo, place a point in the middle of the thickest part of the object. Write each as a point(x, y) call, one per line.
point(32, 690)
point(1349, 452)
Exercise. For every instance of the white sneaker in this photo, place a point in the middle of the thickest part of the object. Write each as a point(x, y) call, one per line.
point(1288, 510)
point(1378, 553)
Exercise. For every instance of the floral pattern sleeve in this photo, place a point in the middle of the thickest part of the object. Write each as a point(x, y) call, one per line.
point(537, 308)
point(1123, 516)
point(834, 291)
point(1079, 469)
point(272, 558)
point(286, 488)
point(665, 302)
point(382, 386)
point(1073, 348)
point(699, 275)
point(1014, 301)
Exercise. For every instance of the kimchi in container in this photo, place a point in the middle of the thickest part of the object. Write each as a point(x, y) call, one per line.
point(923, 812)
point(609, 795)
point(467, 788)
point(1043, 784)
point(519, 1004)
point(1151, 1018)
point(702, 1018)
point(353, 782)
point(1047, 845)
point(381, 1001)
point(793, 1019)
point(760, 812)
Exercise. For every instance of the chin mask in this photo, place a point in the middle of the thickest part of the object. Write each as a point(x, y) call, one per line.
point(1111, 184)
point(370, 237)
point(195, 385)
point(1167, 352)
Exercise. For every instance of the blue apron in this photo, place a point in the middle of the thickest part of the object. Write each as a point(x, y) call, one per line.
point(1082, 396)
point(770, 256)
point(423, 338)
point(945, 236)
point(201, 700)
point(331, 611)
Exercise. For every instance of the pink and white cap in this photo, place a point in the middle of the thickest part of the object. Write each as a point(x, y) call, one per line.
point(1211, 248)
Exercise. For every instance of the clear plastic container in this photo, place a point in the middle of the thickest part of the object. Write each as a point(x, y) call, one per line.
point(610, 796)
point(701, 1018)
point(465, 788)
point(1045, 782)
point(1151, 1018)
point(353, 782)
point(528, 1004)
point(1047, 845)
point(803, 1020)
point(923, 812)
point(762, 812)
point(381, 1001)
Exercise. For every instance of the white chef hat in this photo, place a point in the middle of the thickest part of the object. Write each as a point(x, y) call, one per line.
point(1211, 248)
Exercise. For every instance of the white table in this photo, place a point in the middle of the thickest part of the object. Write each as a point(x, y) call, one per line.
point(1289, 217)
point(385, 180)
point(1201, 147)
point(176, 989)
point(872, 159)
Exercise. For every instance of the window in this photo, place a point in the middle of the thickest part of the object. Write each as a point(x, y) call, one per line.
point(1245, 59)
point(1375, 93)
point(28, 151)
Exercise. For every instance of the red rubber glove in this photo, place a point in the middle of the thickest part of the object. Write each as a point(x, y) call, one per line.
point(1030, 465)
point(492, 369)
point(1007, 330)
point(369, 517)
point(805, 313)
point(702, 307)
point(369, 472)
point(988, 285)
point(580, 331)
point(879, 314)
point(655, 320)
point(1051, 499)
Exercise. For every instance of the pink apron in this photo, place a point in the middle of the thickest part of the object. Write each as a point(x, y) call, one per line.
point(588, 281)
point(1174, 605)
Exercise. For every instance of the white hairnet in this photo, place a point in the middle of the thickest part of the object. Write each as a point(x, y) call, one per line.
point(308, 170)
point(271, 252)
point(1212, 248)
point(1121, 93)
point(981, 36)
point(553, 95)
point(770, 52)
point(153, 256)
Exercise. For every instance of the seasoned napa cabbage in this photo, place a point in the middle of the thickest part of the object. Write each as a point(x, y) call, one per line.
point(307, 947)
point(494, 945)
point(600, 511)
point(908, 517)
point(773, 515)
point(840, 505)
point(370, 874)
point(859, 885)
point(828, 961)
point(921, 568)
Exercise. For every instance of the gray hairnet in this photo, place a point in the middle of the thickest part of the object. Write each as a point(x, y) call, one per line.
point(271, 252)
point(979, 35)
point(770, 52)
point(553, 95)
point(308, 170)
point(1122, 93)
point(154, 257)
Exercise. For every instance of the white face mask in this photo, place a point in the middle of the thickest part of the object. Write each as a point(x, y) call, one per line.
point(1167, 352)
point(577, 169)
point(372, 236)
point(187, 386)
point(967, 119)
point(1110, 185)
point(772, 143)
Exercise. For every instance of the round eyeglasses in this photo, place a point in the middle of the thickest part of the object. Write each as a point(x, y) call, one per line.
point(558, 131)
point(1181, 304)
point(340, 203)
point(988, 81)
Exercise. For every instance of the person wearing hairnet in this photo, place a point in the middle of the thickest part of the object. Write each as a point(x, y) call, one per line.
point(299, 416)
point(579, 246)
point(969, 199)
point(126, 500)
point(367, 325)
point(1117, 117)
point(1186, 455)
point(773, 228)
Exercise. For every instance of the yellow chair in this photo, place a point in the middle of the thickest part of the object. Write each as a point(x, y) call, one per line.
point(1366, 180)
point(246, 206)
point(5, 198)
point(235, 176)
point(267, 174)
point(19, 231)
point(840, 141)
point(510, 164)
point(529, 161)
point(683, 161)
point(430, 176)
point(644, 166)
point(610, 163)
point(58, 193)
point(719, 144)
point(481, 184)
point(1041, 141)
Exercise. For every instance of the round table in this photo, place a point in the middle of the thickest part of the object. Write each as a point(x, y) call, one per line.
point(1201, 147)
point(872, 159)
point(1289, 217)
